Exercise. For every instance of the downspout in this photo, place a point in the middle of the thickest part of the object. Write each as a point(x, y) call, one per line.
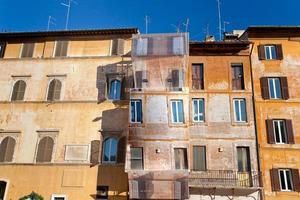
point(255, 126)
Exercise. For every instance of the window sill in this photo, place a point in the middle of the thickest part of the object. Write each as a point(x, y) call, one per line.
point(62, 57)
point(136, 125)
point(240, 123)
point(203, 123)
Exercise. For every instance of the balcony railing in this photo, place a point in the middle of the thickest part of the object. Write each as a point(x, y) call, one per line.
point(224, 178)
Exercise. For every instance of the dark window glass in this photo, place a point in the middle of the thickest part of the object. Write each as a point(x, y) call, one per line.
point(197, 76)
point(115, 90)
point(243, 159)
point(199, 158)
point(237, 77)
point(270, 52)
point(110, 150)
point(2, 49)
point(286, 182)
point(136, 111)
point(136, 154)
point(198, 110)
point(274, 88)
point(280, 131)
point(240, 114)
point(180, 158)
point(2, 189)
point(177, 111)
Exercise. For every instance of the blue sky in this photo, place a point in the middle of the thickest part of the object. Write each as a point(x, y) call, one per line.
point(32, 15)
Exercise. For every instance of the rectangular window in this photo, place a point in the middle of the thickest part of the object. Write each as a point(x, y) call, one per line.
point(237, 74)
point(136, 111)
point(27, 50)
point(58, 197)
point(2, 49)
point(136, 158)
point(240, 113)
point(117, 47)
point(180, 158)
point(270, 52)
point(177, 111)
point(243, 157)
point(61, 48)
point(178, 45)
point(142, 46)
point(285, 177)
point(197, 77)
point(198, 110)
point(280, 131)
point(274, 88)
point(199, 158)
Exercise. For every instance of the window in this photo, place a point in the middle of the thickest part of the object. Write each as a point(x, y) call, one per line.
point(2, 189)
point(280, 131)
point(18, 91)
point(27, 50)
point(142, 46)
point(177, 111)
point(180, 158)
point(243, 157)
point(240, 114)
point(110, 150)
point(199, 158)
point(61, 48)
point(197, 76)
point(117, 47)
point(7, 148)
point(45, 150)
point(54, 90)
point(58, 197)
point(115, 90)
point(178, 45)
point(2, 49)
point(102, 192)
point(136, 111)
point(270, 52)
point(285, 177)
point(274, 88)
point(237, 77)
point(176, 79)
point(136, 158)
point(198, 110)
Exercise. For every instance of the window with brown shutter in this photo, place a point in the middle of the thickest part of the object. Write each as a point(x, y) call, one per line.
point(7, 148)
point(117, 47)
point(61, 48)
point(237, 75)
point(284, 87)
point(45, 150)
point(296, 180)
point(2, 49)
point(279, 52)
point(175, 78)
point(197, 77)
point(27, 50)
point(289, 130)
point(54, 90)
point(18, 91)
point(261, 52)
point(264, 88)
point(138, 79)
point(95, 152)
point(274, 174)
point(121, 150)
point(270, 131)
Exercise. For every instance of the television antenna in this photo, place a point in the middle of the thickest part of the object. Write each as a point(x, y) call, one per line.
point(147, 21)
point(177, 28)
point(220, 24)
point(51, 20)
point(224, 25)
point(68, 11)
point(186, 24)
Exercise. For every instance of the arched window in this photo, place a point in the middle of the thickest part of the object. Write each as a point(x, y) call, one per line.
point(110, 150)
point(115, 90)
point(7, 148)
point(18, 91)
point(54, 90)
point(2, 189)
point(45, 150)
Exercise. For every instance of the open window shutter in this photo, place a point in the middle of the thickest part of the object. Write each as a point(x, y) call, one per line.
point(57, 89)
point(41, 150)
point(270, 131)
point(51, 88)
point(138, 79)
point(275, 179)
point(279, 52)
point(121, 150)
point(114, 49)
point(10, 149)
point(120, 46)
point(296, 179)
point(124, 93)
point(21, 90)
point(175, 78)
point(48, 149)
point(261, 52)
point(289, 130)
point(284, 87)
point(3, 146)
point(264, 88)
point(15, 91)
point(95, 152)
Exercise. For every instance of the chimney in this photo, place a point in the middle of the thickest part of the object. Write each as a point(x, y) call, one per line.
point(210, 38)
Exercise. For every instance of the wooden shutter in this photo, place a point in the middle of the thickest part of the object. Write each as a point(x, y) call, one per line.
point(95, 152)
point(264, 88)
point(289, 131)
point(18, 91)
point(7, 148)
point(296, 180)
point(54, 90)
point(51, 87)
point(2, 49)
point(175, 78)
point(275, 179)
point(117, 47)
point(121, 150)
point(61, 48)
point(45, 149)
point(196, 77)
point(27, 50)
point(284, 87)
point(279, 52)
point(138, 79)
point(270, 131)
point(150, 50)
point(261, 52)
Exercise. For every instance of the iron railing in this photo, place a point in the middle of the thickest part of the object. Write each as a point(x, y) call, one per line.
point(224, 178)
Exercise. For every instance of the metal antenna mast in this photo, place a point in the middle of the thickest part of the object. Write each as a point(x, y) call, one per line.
point(146, 23)
point(50, 21)
point(225, 23)
point(220, 23)
point(186, 24)
point(68, 12)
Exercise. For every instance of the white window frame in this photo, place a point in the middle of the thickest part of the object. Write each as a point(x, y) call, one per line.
point(177, 111)
point(268, 50)
point(198, 114)
point(53, 196)
point(103, 151)
point(135, 110)
point(274, 87)
point(277, 122)
point(285, 171)
point(239, 100)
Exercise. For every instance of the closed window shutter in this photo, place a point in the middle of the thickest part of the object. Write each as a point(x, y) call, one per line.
point(296, 180)
point(120, 46)
point(45, 149)
point(18, 91)
point(150, 46)
point(121, 150)
point(261, 52)
point(7, 148)
point(279, 52)
point(264, 88)
point(196, 76)
point(289, 130)
point(139, 79)
point(275, 180)
point(95, 152)
point(175, 78)
point(27, 50)
point(61, 48)
point(57, 90)
point(284, 88)
point(270, 131)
